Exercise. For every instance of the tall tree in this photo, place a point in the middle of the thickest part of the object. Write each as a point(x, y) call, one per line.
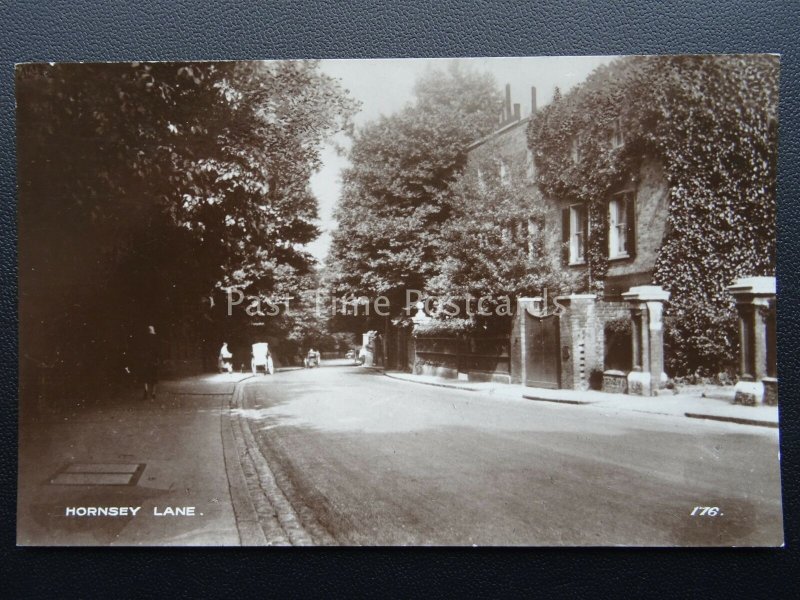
point(145, 188)
point(393, 203)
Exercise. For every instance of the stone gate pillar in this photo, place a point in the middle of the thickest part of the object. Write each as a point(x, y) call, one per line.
point(755, 303)
point(580, 354)
point(647, 305)
point(366, 344)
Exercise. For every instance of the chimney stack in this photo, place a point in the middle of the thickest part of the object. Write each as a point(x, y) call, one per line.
point(533, 100)
point(508, 101)
point(516, 112)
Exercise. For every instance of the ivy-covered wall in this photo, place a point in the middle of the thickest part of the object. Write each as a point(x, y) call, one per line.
point(710, 124)
point(509, 145)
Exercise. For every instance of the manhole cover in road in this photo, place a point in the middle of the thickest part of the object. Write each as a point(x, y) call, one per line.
point(98, 474)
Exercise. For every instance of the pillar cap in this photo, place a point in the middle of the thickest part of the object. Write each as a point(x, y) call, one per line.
point(753, 285)
point(646, 293)
point(420, 316)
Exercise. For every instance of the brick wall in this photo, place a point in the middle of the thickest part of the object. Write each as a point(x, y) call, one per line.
point(579, 341)
point(509, 143)
point(582, 331)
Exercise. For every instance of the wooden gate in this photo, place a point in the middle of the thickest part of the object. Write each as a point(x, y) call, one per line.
point(542, 360)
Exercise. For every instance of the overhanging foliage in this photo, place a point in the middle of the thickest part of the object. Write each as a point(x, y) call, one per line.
point(144, 188)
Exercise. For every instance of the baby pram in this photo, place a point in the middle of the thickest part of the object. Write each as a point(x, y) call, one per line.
point(261, 359)
point(311, 360)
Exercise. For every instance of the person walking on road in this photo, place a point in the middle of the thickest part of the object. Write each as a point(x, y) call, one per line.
point(149, 362)
point(225, 359)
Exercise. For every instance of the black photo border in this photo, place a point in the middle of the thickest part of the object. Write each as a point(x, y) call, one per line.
point(82, 30)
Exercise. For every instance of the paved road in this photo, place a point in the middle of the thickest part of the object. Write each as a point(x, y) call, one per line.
point(364, 459)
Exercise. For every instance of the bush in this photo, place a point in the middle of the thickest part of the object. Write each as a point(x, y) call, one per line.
point(443, 327)
point(701, 346)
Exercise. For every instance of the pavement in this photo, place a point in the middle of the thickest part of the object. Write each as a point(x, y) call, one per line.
point(156, 456)
point(709, 402)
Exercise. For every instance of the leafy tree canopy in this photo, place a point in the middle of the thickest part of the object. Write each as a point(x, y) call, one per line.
point(393, 203)
point(145, 187)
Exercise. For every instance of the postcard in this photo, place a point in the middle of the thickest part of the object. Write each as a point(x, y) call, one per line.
point(524, 301)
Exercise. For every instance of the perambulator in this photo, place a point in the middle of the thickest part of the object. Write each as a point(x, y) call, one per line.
point(312, 360)
point(261, 359)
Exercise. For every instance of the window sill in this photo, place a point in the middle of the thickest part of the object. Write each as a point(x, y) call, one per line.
point(580, 263)
point(625, 256)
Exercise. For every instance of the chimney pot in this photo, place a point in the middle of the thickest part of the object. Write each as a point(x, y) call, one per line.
point(508, 101)
point(533, 100)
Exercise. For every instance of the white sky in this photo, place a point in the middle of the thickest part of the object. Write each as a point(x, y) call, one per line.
point(384, 86)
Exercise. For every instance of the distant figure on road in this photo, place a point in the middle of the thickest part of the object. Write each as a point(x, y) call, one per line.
point(149, 362)
point(312, 359)
point(225, 359)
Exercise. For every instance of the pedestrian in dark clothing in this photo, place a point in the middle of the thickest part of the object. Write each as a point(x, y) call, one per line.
point(149, 362)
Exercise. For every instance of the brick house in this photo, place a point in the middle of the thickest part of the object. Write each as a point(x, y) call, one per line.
point(613, 229)
point(595, 329)
point(507, 146)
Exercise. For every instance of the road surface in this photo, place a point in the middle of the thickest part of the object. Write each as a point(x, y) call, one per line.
point(355, 458)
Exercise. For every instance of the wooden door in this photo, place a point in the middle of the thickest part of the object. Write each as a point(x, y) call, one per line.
point(542, 360)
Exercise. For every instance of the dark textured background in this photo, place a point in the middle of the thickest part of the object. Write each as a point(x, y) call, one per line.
point(79, 30)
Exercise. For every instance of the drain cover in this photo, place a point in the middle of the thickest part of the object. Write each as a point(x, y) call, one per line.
point(98, 474)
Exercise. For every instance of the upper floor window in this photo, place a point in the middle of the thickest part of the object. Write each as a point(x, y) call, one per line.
point(532, 237)
point(505, 173)
point(621, 213)
point(575, 233)
point(530, 166)
point(617, 134)
point(575, 149)
point(481, 181)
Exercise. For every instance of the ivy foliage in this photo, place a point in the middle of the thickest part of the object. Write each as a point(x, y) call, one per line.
point(711, 121)
point(444, 327)
point(493, 244)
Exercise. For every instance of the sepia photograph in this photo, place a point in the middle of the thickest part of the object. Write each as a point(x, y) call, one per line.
point(522, 301)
